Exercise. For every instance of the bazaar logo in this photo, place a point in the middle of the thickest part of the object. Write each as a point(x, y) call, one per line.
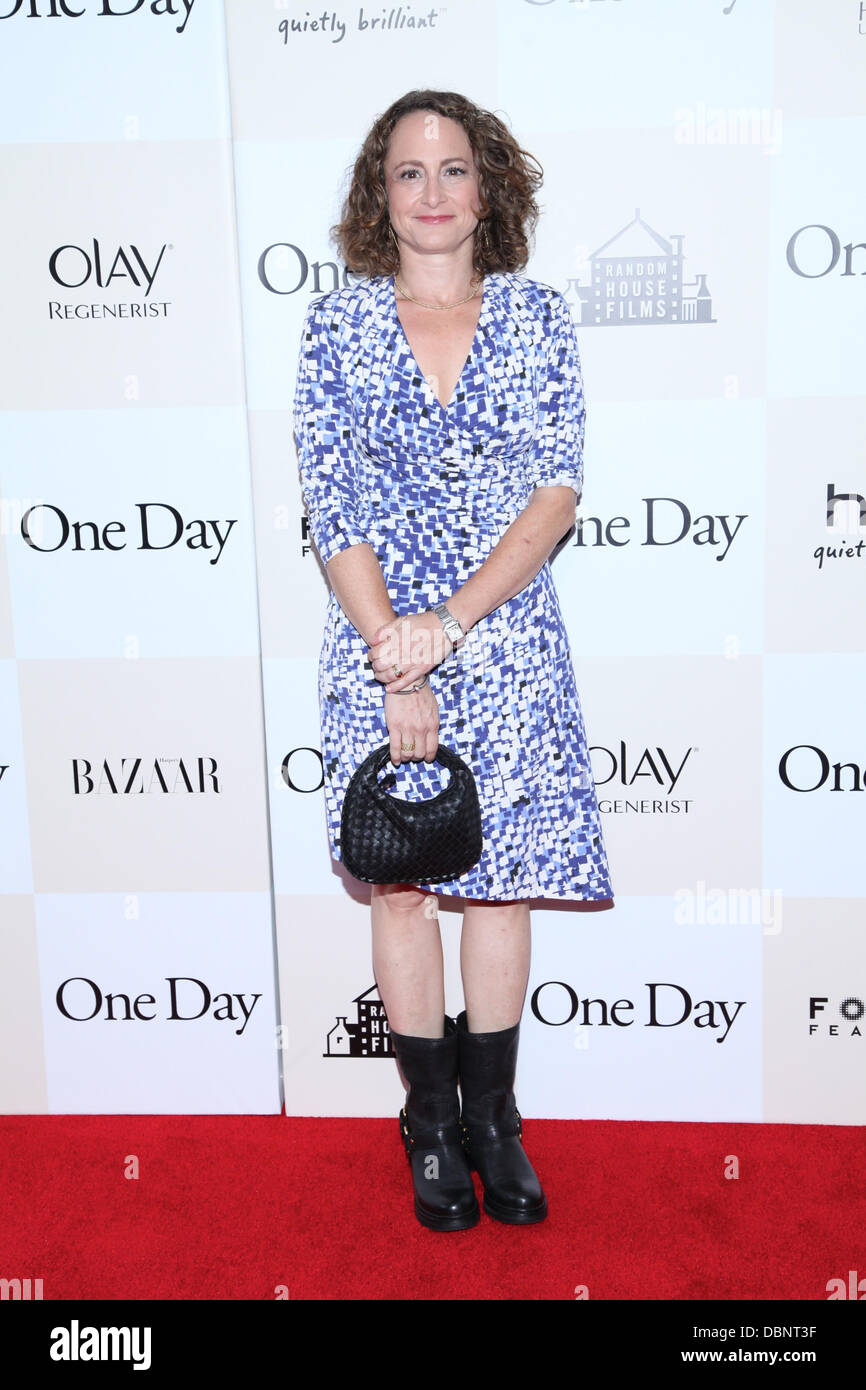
point(667, 521)
point(112, 9)
point(637, 278)
point(72, 266)
point(821, 251)
point(81, 1000)
point(811, 771)
point(667, 1006)
point(137, 776)
point(368, 1036)
point(850, 1011)
point(47, 529)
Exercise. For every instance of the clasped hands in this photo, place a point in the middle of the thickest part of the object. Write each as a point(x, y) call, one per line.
point(414, 644)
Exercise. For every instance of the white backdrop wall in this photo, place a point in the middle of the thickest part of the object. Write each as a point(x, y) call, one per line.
point(137, 940)
point(703, 215)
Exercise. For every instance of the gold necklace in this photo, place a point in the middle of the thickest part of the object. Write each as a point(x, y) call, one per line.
point(439, 306)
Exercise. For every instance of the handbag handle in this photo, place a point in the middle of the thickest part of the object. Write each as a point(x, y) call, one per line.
point(444, 756)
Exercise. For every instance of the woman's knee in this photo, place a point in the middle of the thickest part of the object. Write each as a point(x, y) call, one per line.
point(405, 898)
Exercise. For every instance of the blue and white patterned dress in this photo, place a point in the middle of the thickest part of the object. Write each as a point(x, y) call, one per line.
point(433, 490)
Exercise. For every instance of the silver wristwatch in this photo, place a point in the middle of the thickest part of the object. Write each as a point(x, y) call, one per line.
point(450, 624)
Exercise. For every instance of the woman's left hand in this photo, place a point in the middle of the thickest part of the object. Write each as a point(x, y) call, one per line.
point(414, 644)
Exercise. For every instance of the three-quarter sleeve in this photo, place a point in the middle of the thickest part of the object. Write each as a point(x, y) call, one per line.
point(323, 427)
point(556, 455)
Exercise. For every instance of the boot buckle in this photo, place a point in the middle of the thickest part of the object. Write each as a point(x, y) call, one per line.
point(408, 1140)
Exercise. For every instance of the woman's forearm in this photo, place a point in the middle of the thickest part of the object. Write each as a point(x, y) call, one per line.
point(517, 557)
point(356, 578)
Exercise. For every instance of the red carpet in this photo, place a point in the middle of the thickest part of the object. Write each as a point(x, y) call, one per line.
point(233, 1207)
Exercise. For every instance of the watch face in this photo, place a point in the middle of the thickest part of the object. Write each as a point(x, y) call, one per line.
point(450, 624)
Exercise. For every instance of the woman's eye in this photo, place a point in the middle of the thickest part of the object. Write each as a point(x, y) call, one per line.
point(452, 169)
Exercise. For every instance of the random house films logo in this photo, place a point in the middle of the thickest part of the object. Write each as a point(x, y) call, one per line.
point(637, 278)
point(368, 1036)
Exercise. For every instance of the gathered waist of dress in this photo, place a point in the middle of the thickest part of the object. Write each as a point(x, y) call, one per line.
point(403, 528)
point(412, 510)
point(489, 509)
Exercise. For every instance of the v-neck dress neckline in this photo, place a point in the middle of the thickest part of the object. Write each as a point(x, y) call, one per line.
point(486, 296)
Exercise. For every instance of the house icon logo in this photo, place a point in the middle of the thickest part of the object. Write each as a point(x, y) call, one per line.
point(368, 1037)
point(636, 278)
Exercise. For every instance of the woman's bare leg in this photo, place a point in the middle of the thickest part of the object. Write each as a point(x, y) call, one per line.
point(494, 954)
point(494, 961)
point(407, 958)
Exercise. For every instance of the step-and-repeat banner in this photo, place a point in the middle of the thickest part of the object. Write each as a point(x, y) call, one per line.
point(175, 936)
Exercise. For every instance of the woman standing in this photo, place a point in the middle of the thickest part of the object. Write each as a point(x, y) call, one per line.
point(439, 418)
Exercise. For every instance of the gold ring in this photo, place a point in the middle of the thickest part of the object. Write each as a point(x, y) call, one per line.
point(398, 673)
point(407, 747)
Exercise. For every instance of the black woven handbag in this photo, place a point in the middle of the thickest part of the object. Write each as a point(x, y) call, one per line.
point(388, 840)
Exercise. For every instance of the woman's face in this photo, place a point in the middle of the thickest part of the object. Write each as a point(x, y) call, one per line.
point(432, 183)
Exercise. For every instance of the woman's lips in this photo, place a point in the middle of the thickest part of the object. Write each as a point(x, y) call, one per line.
point(446, 218)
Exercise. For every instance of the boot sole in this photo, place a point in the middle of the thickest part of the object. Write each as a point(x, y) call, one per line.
point(463, 1222)
point(511, 1216)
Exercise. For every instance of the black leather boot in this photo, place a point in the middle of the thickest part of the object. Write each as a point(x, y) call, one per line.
point(491, 1125)
point(429, 1126)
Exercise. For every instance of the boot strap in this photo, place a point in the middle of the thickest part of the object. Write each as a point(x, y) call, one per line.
point(410, 1142)
point(466, 1138)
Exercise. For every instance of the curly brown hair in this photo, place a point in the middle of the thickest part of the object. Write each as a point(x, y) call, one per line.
point(507, 183)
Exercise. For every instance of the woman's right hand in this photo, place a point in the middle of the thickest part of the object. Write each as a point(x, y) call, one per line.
point(414, 716)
